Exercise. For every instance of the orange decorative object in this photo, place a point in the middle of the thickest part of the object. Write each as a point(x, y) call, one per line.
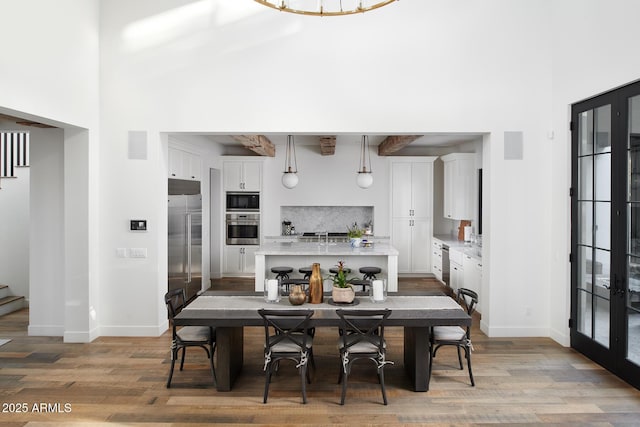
point(315, 285)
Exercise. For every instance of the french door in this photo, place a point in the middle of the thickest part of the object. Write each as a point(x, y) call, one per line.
point(605, 230)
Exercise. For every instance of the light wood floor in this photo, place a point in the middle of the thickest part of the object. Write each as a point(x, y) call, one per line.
point(121, 381)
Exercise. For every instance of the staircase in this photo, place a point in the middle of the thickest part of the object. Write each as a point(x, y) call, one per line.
point(14, 152)
point(9, 303)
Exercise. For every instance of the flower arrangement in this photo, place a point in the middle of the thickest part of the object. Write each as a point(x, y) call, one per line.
point(340, 278)
point(354, 232)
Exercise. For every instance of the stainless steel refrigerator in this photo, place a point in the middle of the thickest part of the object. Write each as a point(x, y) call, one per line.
point(185, 244)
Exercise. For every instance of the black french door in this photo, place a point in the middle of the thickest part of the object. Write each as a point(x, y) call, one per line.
point(605, 230)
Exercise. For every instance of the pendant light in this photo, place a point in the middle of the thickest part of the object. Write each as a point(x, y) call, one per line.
point(290, 175)
point(365, 177)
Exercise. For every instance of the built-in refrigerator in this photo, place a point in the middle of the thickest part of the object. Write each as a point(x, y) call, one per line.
point(185, 244)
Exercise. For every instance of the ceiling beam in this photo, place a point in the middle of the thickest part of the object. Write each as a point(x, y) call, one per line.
point(259, 144)
point(328, 145)
point(394, 143)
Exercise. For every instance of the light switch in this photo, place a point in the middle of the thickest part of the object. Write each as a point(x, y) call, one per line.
point(121, 252)
point(138, 252)
point(138, 225)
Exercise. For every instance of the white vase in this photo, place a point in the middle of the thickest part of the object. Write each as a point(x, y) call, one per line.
point(355, 242)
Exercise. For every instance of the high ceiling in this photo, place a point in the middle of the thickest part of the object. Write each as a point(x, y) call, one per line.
point(426, 140)
point(265, 144)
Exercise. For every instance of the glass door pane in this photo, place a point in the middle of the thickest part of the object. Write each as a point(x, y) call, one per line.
point(632, 302)
point(594, 224)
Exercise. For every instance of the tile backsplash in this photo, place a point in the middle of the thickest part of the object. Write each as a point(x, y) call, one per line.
point(326, 218)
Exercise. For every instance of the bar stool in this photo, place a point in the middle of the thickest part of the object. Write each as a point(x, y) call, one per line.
point(369, 273)
point(361, 282)
point(306, 271)
point(334, 270)
point(285, 283)
point(281, 272)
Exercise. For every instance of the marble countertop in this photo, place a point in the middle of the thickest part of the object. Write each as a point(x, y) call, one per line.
point(296, 236)
point(466, 248)
point(344, 249)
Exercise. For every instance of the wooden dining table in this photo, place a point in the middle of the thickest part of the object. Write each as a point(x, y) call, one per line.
point(229, 314)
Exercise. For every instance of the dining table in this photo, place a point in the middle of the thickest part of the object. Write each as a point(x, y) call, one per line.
point(229, 314)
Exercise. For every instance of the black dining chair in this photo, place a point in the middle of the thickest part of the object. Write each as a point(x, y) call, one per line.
point(362, 337)
point(455, 335)
point(187, 336)
point(288, 336)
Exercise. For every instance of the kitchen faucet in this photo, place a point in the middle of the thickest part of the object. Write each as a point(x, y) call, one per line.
point(326, 237)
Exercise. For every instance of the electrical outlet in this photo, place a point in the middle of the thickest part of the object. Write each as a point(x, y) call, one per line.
point(138, 252)
point(121, 252)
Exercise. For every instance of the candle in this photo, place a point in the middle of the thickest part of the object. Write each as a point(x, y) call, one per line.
point(272, 289)
point(378, 290)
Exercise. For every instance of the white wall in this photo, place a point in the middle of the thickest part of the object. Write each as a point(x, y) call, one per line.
point(325, 181)
point(412, 71)
point(14, 227)
point(47, 281)
point(589, 57)
point(49, 73)
point(485, 67)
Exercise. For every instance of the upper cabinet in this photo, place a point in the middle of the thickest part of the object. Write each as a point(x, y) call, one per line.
point(409, 182)
point(458, 185)
point(412, 212)
point(184, 165)
point(242, 175)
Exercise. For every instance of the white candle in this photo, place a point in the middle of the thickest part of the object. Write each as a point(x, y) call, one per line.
point(378, 290)
point(272, 289)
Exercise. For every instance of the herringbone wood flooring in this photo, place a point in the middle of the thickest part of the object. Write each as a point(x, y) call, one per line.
point(121, 381)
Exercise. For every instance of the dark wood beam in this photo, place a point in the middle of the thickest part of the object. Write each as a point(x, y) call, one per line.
point(259, 144)
point(394, 143)
point(327, 145)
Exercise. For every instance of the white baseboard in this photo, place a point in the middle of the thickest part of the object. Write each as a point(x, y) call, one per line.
point(561, 338)
point(134, 331)
point(45, 331)
point(514, 331)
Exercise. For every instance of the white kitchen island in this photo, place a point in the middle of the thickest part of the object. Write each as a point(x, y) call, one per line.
point(302, 254)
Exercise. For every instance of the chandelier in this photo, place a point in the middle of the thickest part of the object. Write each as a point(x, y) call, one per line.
point(325, 7)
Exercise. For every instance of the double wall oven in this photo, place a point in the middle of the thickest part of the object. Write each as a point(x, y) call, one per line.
point(243, 218)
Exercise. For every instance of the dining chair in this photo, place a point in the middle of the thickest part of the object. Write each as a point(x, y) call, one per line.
point(455, 335)
point(187, 336)
point(362, 337)
point(288, 336)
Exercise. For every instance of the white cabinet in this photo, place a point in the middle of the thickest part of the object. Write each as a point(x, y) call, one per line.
point(458, 185)
point(242, 175)
point(456, 276)
point(436, 260)
point(408, 237)
point(412, 212)
point(410, 184)
point(456, 271)
point(472, 273)
point(184, 165)
point(239, 260)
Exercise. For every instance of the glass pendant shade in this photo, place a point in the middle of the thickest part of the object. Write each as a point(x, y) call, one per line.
point(365, 175)
point(289, 179)
point(364, 179)
point(290, 175)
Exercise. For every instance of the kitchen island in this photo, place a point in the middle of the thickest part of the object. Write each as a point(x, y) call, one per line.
point(302, 254)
